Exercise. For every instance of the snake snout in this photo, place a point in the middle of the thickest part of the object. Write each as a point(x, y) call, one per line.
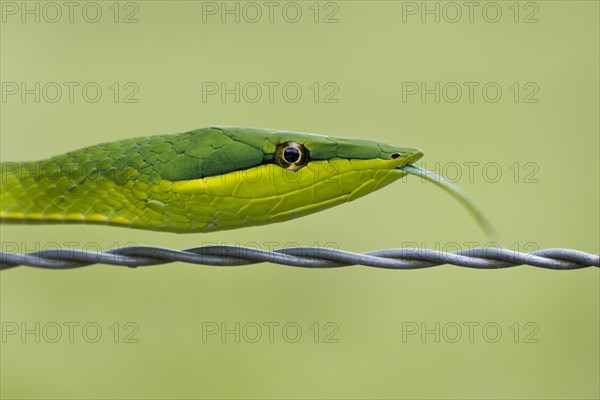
point(414, 156)
point(407, 155)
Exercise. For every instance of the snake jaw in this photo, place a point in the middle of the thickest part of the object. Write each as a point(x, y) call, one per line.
point(413, 157)
point(408, 156)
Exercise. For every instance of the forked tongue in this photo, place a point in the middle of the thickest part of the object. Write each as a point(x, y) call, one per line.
point(456, 192)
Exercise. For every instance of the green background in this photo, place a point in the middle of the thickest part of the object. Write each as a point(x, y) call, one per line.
point(368, 54)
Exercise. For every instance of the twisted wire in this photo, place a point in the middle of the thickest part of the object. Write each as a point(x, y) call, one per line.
point(307, 257)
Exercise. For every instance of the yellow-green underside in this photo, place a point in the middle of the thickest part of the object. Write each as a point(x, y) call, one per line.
point(256, 196)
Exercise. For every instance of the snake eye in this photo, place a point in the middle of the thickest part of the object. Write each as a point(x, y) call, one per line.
point(291, 155)
point(395, 155)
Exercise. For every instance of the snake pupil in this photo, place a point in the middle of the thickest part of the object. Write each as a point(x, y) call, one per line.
point(291, 155)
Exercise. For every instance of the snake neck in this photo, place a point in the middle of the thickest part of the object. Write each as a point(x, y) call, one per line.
point(25, 190)
point(53, 191)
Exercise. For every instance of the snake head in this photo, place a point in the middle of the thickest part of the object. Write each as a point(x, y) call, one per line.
point(294, 150)
point(285, 175)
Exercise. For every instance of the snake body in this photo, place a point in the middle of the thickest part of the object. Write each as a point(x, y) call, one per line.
point(199, 181)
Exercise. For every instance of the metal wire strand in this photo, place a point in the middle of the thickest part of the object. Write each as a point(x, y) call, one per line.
point(307, 257)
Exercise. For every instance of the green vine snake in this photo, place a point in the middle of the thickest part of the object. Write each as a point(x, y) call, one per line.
point(207, 180)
